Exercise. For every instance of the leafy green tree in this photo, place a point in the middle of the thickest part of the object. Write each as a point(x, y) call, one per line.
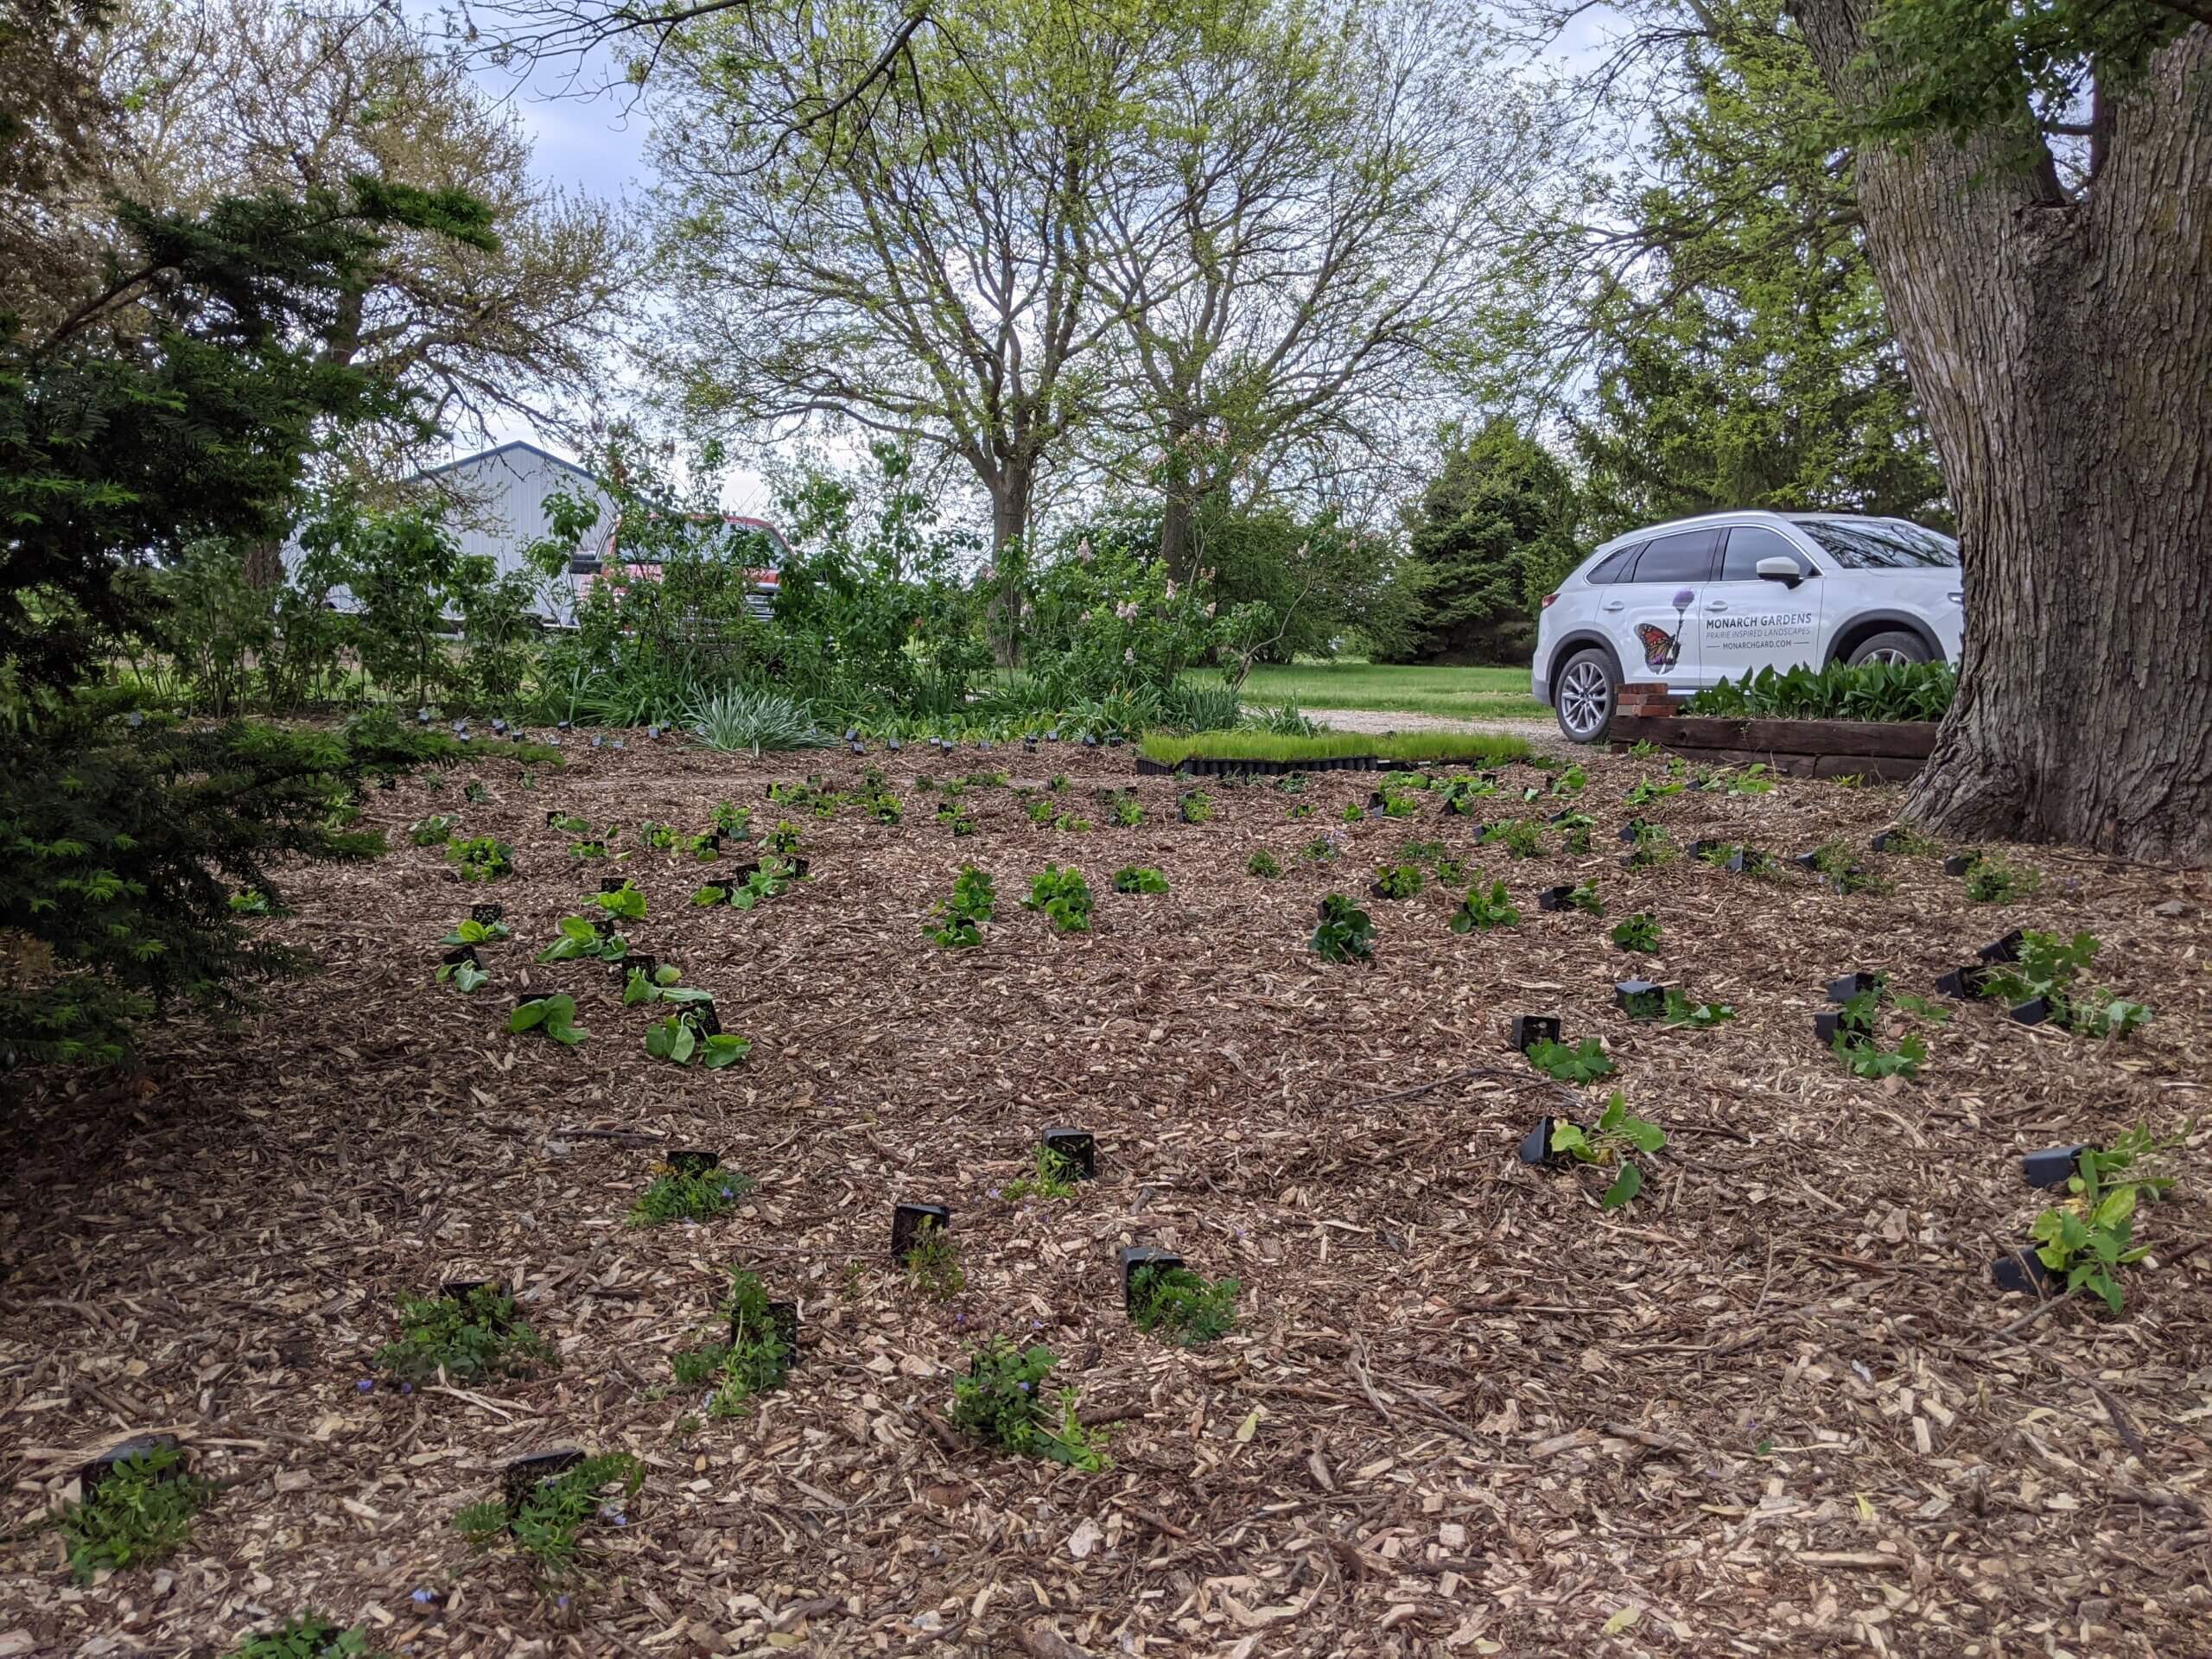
point(1746, 358)
point(1492, 532)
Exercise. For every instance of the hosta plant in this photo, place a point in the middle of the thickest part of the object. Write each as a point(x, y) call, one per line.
point(1700, 1015)
point(464, 976)
point(555, 1015)
point(626, 903)
point(580, 939)
point(682, 1039)
point(1063, 896)
point(472, 932)
point(1483, 910)
point(1610, 1144)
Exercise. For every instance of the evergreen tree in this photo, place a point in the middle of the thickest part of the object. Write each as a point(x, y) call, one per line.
point(1746, 360)
point(1494, 530)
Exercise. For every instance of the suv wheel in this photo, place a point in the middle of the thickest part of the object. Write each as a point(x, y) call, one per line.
point(1586, 696)
point(1895, 646)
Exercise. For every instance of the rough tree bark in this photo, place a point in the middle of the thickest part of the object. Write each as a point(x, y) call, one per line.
point(2061, 344)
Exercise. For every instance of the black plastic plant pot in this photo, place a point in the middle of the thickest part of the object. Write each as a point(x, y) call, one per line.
point(909, 1220)
point(1962, 981)
point(1825, 1026)
point(92, 1474)
point(553, 816)
point(741, 875)
point(1536, 1145)
point(893, 746)
point(2034, 1011)
point(1078, 1146)
point(612, 883)
point(1807, 861)
point(1136, 1257)
point(712, 840)
point(1700, 848)
point(466, 953)
point(797, 867)
point(1884, 841)
point(2005, 949)
point(1962, 863)
point(693, 1162)
point(1850, 985)
point(1375, 798)
point(1640, 999)
point(525, 1474)
point(484, 915)
point(2022, 1270)
point(459, 1290)
point(1630, 830)
point(2053, 1166)
point(1529, 1029)
point(703, 1018)
point(1555, 898)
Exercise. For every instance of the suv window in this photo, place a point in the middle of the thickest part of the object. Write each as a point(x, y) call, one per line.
point(1686, 556)
point(1614, 567)
point(1881, 544)
point(1750, 544)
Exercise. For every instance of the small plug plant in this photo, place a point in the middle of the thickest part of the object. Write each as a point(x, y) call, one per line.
point(1398, 803)
point(2085, 1239)
point(1857, 1041)
point(1063, 896)
point(1584, 1063)
point(580, 939)
point(2050, 968)
point(481, 858)
point(1481, 911)
point(472, 932)
point(1833, 861)
point(465, 976)
point(548, 1523)
point(1398, 881)
point(250, 901)
point(1139, 878)
point(1054, 1179)
point(1574, 833)
point(1345, 934)
point(555, 1015)
point(432, 831)
point(732, 822)
point(955, 817)
point(755, 1359)
point(1584, 898)
point(1353, 812)
point(1645, 791)
point(624, 903)
point(1319, 850)
point(1128, 809)
point(311, 1636)
point(1263, 865)
point(1698, 1016)
point(1992, 881)
point(1182, 1306)
point(1753, 779)
point(140, 1512)
point(1639, 932)
point(475, 1338)
point(675, 1194)
point(933, 1264)
point(1196, 806)
point(1003, 1401)
point(959, 920)
point(682, 1039)
point(782, 841)
point(1650, 848)
point(1617, 1135)
point(1517, 835)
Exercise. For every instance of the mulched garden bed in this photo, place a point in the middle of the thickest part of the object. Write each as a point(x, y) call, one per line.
point(1773, 1406)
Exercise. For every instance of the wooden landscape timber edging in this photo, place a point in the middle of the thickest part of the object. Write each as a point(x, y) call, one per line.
point(1803, 749)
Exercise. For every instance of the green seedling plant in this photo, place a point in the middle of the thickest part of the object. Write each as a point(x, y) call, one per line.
point(700, 848)
point(467, 977)
point(1071, 823)
point(481, 858)
point(959, 920)
point(1196, 806)
point(1517, 835)
point(1128, 809)
point(732, 822)
point(680, 1040)
point(1452, 872)
point(2051, 968)
point(432, 831)
point(1139, 878)
point(472, 932)
point(1650, 848)
point(471, 1338)
point(548, 1525)
point(1483, 910)
point(1003, 1401)
point(311, 1636)
point(1857, 1044)
point(1908, 843)
point(1054, 1179)
point(657, 837)
point(1835, 861)
point(1617, 1135)
point(1639, 932)
point(640, 989)
point(1570, 780)
point(1353, 812)
point(2085, 1239)
point(1645, 791)
point(753, 1359)
point(955, 818)
point(1039, 811)
point(555, 1015)
point(1574, 833)
point(1263, 865)
point(580, 940)
point(1753, 779)
point(1584, 1063)
point(883, 806)
point(251, 901)
point(1460, 794)
point(1584, 898)
point(140, 1513)
point(1397, 880)
point(626, 903)
point(1398, 803)
point(1182, 1306)
point(1319, 850)
point(1345, 934)
point(1992, 881)
point(1415, 850)
point(933, 1264)
point(1299, 810)
point(1698, 1016)
point(1063, 896)
point(675, 1194)
point(474, 792)
point(782, 841)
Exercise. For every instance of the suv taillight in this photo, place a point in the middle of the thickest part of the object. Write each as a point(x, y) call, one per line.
point(1545, 603)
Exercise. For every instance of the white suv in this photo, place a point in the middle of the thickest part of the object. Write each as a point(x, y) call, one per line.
point(1715, 598)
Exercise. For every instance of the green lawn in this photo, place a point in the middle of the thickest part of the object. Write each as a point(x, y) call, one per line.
point(1456, 693)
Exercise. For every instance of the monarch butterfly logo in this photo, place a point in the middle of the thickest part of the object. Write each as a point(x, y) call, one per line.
point(1661, 648)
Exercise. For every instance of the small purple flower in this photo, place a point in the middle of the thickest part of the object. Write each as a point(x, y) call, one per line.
point(1036, 1324)
point(423, 1598)
point(728, 1193)
point(621, 1520)
point(1025, 1387)
point(1682, 598)
point(562, 1602)
point(407, 1388)
point(994, 1192)
point(365, 1385)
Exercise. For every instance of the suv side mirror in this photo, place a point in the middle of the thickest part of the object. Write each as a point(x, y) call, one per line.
point(1780, 569)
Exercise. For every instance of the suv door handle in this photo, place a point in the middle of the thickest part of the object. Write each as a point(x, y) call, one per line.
point(1615, 605)
point(1716, 605)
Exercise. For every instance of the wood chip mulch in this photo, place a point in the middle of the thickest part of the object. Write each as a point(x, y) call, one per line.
point(1775, 1406)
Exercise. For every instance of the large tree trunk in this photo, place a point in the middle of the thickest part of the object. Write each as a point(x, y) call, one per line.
point(2061, 347)
point(1011, 488)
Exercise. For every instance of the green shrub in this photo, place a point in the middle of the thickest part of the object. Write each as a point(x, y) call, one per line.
point(1870, 691)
